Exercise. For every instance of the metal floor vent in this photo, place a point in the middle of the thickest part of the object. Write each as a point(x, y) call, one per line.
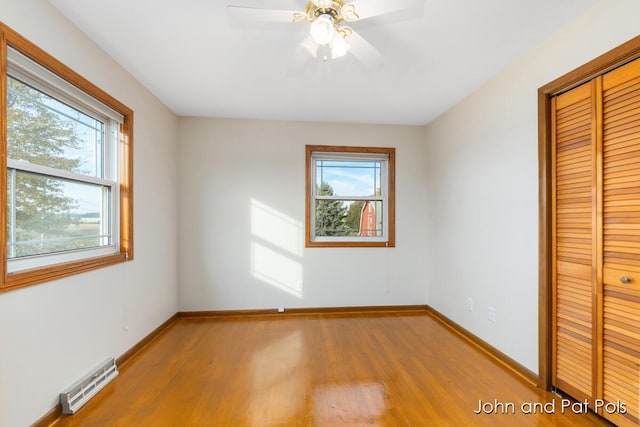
point(78, 394)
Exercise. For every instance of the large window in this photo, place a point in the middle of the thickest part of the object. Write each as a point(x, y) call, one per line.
point(66, 160)
point(350, 196)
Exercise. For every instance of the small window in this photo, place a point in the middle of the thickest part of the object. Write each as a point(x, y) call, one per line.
point(67, 170)
point(350, 196)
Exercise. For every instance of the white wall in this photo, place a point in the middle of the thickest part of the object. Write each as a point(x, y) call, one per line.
point(482, 186)
point(52, 334)
point(241, 189)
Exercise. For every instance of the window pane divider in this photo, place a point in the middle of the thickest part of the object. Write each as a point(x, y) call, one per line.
point(350, 157)
point(351, 198)
point(25, 166)
point(59, 240)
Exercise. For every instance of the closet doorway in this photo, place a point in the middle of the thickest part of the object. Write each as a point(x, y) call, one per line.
point(589, 150)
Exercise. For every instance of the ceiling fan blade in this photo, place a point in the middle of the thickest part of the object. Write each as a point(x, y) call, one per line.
point(306, 51)
point(364, 51)
point(255, 14)
point(372, 8)
point(309, 46)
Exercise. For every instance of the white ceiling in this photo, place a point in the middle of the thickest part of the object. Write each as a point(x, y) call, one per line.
point(198, 62)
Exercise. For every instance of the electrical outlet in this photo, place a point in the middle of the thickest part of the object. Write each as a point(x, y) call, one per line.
point(491, 314)
point(280, 309)
point(469, 304)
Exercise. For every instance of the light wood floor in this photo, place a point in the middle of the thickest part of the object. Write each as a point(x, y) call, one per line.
point(316, 370)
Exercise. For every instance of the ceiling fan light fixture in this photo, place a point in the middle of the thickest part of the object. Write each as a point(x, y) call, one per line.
point(348, 13)
point(322, 29)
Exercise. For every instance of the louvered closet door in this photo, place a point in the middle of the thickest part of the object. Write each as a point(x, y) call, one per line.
point(621, 272)
point(573, 157)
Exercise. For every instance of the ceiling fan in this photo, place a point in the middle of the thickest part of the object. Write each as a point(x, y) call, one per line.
point(327, 19)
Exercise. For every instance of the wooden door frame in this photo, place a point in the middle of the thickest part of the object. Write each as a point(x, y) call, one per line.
point(613, 59)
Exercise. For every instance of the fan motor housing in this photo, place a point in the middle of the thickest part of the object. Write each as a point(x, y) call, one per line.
point(313, 11)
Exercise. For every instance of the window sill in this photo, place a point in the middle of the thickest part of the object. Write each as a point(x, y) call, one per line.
point(34, 276)
point(350, 245)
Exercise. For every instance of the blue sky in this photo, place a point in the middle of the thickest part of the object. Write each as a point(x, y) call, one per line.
point(351, 178)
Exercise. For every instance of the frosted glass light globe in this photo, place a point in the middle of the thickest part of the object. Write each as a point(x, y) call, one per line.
point(322, 29)
point(339, 46)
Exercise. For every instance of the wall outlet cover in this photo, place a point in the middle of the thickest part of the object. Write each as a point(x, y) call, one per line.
point(491, 314)
point(469, 304)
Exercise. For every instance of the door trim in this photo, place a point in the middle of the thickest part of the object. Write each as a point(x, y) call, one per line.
point(615, 58)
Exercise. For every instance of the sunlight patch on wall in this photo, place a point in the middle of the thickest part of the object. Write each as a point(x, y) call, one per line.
point(276, 228)
point(276, 269)
point(276, 248)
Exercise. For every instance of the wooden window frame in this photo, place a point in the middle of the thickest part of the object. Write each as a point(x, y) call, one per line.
point(615, 58)
point(19, 279)
point(391, 210)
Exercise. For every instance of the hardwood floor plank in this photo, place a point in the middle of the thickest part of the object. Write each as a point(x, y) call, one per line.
point(385, 369)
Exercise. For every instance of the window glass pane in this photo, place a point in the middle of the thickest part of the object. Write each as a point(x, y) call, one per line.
point(348, 178)
point(48, 215)
point(354, 218)
point(47, 132)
